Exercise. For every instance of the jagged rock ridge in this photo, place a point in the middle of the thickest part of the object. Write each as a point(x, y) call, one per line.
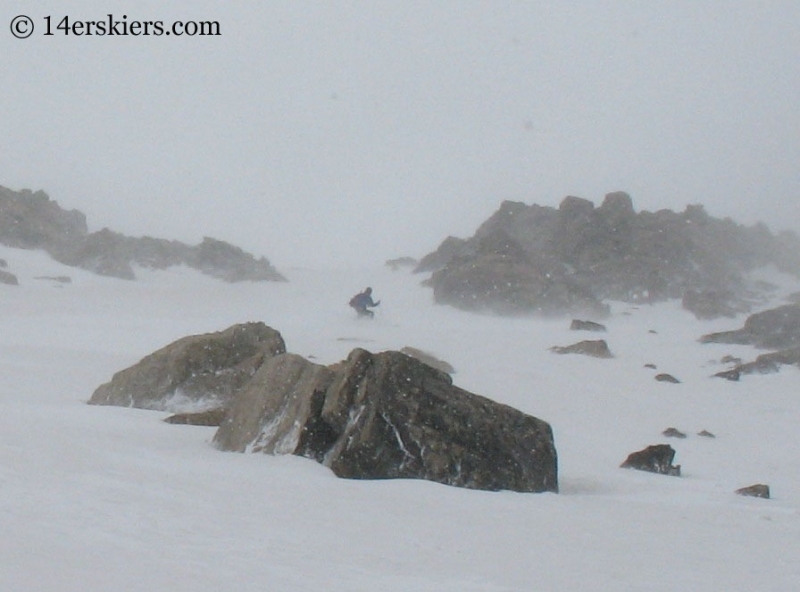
point(31, 220)
point(572, 258)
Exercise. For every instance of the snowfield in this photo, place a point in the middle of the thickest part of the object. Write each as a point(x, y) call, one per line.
point(110, 499)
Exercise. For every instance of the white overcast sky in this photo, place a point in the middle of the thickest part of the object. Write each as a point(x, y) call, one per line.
point(321, 132)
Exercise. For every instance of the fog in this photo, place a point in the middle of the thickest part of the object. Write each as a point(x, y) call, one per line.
point(330, 133)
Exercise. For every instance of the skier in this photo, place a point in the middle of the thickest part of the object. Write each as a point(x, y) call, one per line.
point(363, 300)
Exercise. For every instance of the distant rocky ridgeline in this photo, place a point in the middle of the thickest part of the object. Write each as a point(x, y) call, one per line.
point(31, 220)
point(571, 258)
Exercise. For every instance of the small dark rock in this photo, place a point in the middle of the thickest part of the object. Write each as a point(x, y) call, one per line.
point(729, 359)
point(757, 490)
point(651, 366)
point(706, 434)
point(8, 278)
point(212, 417)
point(354, 339)
point(656, 458)
point(667, 378)
point(61, 279)
point(595, 348)
point(673, 433)
point(578, 325)
point(653, 332)
point(732, 375)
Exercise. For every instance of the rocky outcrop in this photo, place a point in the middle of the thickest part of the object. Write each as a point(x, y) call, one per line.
point(196, 373)
point(227, 262)
point(541, 259)
point(656, 458)
point(33, 221)
point(597, 348)
point(778, 328)
point(764, 364)
point(712, 304)
point(104, 253)
point(387, 415)
point(441, 256)
point(498, 275)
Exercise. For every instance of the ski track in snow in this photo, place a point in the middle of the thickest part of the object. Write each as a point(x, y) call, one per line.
point(108, 498)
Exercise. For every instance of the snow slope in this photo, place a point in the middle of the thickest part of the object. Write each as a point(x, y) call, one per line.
point(105, 498)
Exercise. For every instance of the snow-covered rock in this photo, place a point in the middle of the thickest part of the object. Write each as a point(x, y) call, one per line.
point(195, 372)
point(388, 415)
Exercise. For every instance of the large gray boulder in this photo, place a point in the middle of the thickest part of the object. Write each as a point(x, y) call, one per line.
point(387, 415)
point(279, 411)
point(195, 372)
